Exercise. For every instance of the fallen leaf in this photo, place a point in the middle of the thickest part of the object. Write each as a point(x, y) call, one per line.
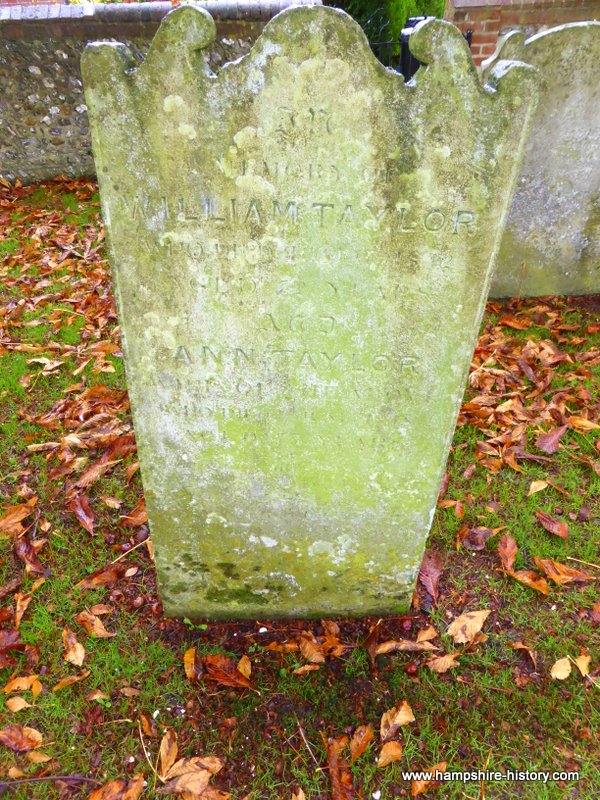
point(38, 758)
point(192, 665)
point(82, 509)
point(340, 777)
point(74, 650)
point(71, 680)
point(93, 625)
point(582, 424)
point(393, 719)
point(15, 704)
point(10, 522)
point(361, 738)
point(93, 473)
point(417, 787)
point(120, 789)
point(555, 526)
point(138, 516)
point(441, 664)
point(561, 573)
point(464, 628)
point(537, 486)
point(245, 666)
point(549, 442)
point(403, 646)
point(310, 649)
point(192, 775)
point(390, 752)
point(26, 552)
point(223, 670)
point(21, 684)
point(507, 550)
point(306, 668)
point(476, 538)
point(105, 576)
point(20, 739)
point(561, 669)
point(531, 653)
point(167, 752)
point(299, 795)
point(427, 634)
point(429, 574)
point(530, 579)
point(583, 664)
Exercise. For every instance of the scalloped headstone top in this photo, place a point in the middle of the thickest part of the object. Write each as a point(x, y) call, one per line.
point(301, 248)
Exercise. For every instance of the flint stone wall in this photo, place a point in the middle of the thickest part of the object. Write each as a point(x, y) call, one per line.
point(43, 116)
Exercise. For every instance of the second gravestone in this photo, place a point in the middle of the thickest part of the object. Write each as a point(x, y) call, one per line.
point(301, 248)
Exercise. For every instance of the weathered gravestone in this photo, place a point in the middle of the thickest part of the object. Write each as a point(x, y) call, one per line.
point(551, 244)
point(301, 248)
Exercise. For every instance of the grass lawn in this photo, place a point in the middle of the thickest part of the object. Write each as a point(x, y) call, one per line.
point(98, 674)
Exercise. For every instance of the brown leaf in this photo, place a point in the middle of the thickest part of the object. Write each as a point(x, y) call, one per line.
point(15, 704)
point(71, 680)
point(10, 522)
point(393, 719)
point(106, 576)
point(427, 634)
point(26, 552)
point(20, 739)
point(531, 653)
point(403, 646)
point(507, 550)
point(417, 787)
point(93, 473)
point(245, 666)
point(443, 663)
point(390, 752)
point(306, 668)
point(93, 625)
point(582, 424)
point(477, 537)
point(223, 670)
point(21, 684)
point(168, 752)
point(74, 650)
point(361, 738)
point(38, 758)
point(529, 578)
point(370, 643)
point(561, 573)
point(120, 789)
point(537, 486)
point(464, 628)
point(191, 775)
point(82, 509)
point(549, 442)
point(192, 665)
point(582, 663)
point(137, 517)
point(310, 649)
point(555, 526)
point(340, 777)
point(431, 569)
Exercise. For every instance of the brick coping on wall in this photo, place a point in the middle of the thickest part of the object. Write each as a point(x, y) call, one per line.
point(77, 21)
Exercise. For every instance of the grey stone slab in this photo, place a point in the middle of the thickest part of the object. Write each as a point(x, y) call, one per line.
point(552, 240)
point(301, 248)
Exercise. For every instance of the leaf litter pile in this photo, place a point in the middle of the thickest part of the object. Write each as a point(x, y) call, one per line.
point(496, 665)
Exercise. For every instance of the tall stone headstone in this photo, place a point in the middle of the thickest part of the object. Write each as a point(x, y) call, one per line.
point(301, 248)
point(551, 244)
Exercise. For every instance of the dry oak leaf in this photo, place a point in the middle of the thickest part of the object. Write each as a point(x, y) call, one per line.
point(561, 669)
point(224, 670)
point(556, 526)
point(311, 649)
point(70, 680)
point(417, 787)
point(441, 664)
point(561, 573)
point(582, 424)
point(390, 752)
point(74, 650)
point(20, 739)
point(429, 574)
point(361, 738)
point(93, 625)
point(464, 628)
point(120, 789)
point(393, 719)
point(507, 550)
